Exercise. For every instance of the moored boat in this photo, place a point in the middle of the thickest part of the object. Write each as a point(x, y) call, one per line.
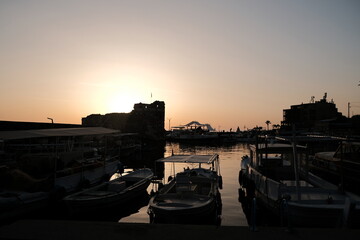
point(16, 204)
point(191, 196)
point(193, 132)
point(115, 193)
point(277, 179)
point(21, 194)
point(341, 167)
point(70, 158)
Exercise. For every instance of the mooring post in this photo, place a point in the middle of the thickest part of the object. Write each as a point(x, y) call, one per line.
point(253, 216)
point(346, 212)
point(285, 218)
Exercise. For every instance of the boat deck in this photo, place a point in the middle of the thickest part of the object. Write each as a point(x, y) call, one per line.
point(174, 200)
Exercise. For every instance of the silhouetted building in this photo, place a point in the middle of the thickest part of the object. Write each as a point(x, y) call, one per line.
point(145, 119)
point(148, 120)
point(320, 116)
point(116, 121)
point(355, 125)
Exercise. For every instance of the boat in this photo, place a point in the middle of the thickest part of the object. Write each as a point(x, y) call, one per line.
point(193, 132)
point(20, 194)
point(70, 158)
point(341, 167)
point(190, 196)
point(16, 204)
point(113, 194)
point(89, 172)
point(275, 177)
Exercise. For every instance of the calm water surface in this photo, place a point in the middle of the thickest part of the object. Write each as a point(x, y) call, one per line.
point(230, 156)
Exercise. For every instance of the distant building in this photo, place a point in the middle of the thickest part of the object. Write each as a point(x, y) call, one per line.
point(116, 121)
point(145, 119)
point(322, 116)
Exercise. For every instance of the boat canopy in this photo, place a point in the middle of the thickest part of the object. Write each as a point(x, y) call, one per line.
point(274, 147)
point(208, 159)
point(55, 132)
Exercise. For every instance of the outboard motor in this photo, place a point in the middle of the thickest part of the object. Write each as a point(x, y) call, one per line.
point(120, 167)
point(245, 160)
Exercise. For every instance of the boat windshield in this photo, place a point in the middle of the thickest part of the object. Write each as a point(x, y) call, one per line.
point(184, 162)
point(190, 159)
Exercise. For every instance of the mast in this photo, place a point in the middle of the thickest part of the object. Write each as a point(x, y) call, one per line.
point(296, 170)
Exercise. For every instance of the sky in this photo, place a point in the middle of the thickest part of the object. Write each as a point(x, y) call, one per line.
point(227, 63)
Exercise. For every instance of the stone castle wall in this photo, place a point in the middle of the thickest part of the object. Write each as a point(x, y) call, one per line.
point(145, 119)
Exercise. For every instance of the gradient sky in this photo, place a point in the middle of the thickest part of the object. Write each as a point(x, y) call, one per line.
point(226, 63)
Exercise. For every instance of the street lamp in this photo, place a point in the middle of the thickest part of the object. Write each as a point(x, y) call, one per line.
point(169, 123)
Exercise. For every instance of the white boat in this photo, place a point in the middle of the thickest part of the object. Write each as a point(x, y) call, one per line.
point(276, 178)
point(191, 196)
point(88, 174)
point(341, 167)
point(115, 193)
point(73, 157)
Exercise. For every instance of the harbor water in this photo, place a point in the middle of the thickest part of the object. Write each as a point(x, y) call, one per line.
point(230, 157)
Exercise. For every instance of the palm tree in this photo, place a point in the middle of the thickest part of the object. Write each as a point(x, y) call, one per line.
point(267, 124)
point(276, 126)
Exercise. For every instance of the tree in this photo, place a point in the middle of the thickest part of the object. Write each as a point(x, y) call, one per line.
point(267, 124)
point(276, 126)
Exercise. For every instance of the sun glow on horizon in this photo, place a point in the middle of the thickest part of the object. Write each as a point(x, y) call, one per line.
point(228, 65)
point(122, 103)
point(113, 88)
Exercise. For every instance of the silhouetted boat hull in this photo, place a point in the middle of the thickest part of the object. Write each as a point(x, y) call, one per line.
point(15, 204)
point(115, 193)
point(296, 197)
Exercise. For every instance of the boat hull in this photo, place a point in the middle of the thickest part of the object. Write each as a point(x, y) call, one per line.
point(97, 199)
point(332, 210)
point(320, 216)
point(17, 204)
point(296, 197)
point(204, 213)
point(73, 182)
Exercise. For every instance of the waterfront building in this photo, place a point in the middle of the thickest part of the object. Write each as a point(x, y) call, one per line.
point(316, 116)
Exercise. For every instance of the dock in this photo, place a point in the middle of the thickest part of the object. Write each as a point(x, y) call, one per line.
point(60, 229)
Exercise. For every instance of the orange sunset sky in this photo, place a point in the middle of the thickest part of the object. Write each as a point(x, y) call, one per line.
point(226, 63)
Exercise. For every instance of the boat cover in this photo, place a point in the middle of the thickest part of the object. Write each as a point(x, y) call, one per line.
point(55, 132)
point(190, 159)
